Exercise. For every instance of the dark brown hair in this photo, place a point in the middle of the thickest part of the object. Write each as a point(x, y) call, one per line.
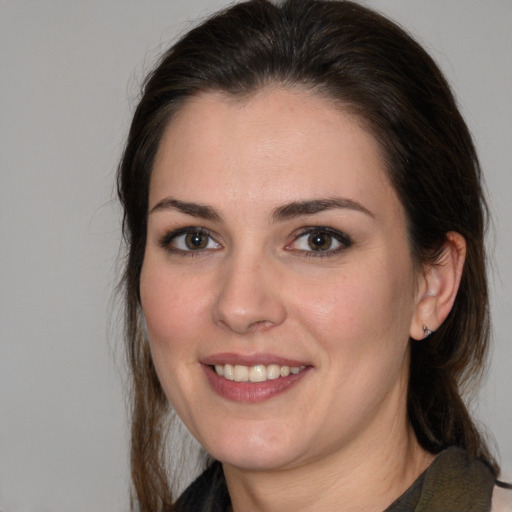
point(375, 70)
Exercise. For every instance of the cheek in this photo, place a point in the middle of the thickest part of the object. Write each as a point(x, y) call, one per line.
point(173, 311)
point(368, 309)
point(173, 306)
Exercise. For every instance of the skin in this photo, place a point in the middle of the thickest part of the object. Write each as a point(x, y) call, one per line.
point(340, 435)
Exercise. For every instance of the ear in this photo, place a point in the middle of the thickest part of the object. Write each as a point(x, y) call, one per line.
point(437, 287)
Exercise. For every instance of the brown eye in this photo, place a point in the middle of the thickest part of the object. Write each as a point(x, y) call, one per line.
point(196, 240)
point(320, 241)
point(189, 240)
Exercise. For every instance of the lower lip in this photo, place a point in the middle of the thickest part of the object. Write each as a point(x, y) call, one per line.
point(251, 392)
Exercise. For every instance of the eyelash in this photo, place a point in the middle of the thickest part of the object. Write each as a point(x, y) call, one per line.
point(343, 239)
point(167, 240)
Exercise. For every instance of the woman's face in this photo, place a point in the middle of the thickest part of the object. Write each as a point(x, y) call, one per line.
point(277, 284)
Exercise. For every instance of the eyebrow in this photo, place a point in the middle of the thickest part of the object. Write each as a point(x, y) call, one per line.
point(286, 212)
point(299, 208)
point(195, 209)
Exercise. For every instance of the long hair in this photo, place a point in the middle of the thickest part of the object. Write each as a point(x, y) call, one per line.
point(375, 70)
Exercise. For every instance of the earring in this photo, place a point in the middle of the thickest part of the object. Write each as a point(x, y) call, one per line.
point(426, 331)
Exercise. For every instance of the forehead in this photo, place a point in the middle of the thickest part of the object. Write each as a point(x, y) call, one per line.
point(275, 144)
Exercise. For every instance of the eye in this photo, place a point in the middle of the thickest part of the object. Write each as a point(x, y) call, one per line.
point(321, 240)
point(190, 239)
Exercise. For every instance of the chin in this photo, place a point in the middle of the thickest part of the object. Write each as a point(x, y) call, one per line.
point(261, 449)
point(266, 460)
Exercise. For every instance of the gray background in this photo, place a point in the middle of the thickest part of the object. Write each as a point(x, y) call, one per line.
point(69, 78)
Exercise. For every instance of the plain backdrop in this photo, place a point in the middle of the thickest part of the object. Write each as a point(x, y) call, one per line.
point(69, 78)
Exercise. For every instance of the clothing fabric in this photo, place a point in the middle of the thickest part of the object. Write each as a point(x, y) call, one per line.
point(208, 493)
point(454, 482)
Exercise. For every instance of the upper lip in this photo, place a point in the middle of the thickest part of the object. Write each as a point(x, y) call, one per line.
point(251, 359)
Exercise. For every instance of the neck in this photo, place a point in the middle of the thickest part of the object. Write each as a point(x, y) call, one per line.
point(367, 477)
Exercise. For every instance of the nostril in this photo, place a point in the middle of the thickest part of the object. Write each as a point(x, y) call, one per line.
point(260, 325)
point(245, 301)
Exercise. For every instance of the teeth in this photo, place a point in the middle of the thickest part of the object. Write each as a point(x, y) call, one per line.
point(273, 371)
point(228, 372)
point(241, 373)
point(256, 373)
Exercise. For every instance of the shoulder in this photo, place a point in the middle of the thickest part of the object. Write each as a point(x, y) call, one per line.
point(502, 498)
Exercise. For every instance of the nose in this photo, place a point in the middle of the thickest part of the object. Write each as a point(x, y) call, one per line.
point(249, 297)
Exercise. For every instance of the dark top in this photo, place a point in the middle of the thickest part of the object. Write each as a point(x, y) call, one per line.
point(452, 483)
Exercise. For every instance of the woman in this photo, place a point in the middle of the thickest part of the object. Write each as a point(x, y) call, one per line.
point(305, 282)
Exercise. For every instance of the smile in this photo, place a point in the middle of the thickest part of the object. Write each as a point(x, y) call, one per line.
point(255, 373)
point(254, 378)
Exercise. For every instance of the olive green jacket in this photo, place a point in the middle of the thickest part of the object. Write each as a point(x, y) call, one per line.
point(452, 483)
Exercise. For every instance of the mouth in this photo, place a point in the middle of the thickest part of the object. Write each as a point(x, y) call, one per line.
point(251, 379)
point(255, 373)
